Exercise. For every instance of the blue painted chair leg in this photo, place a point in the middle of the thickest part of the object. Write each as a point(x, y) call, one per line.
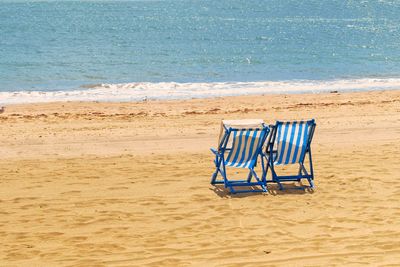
point(262, 182)
point(215, 174)
point(232, 190)
point(249, 177)
point(276, 179)
point(213, 177)
point(280, 185)
point(310, 181)
point(264, 188)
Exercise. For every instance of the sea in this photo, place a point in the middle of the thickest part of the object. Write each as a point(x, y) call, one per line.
point(133, 50)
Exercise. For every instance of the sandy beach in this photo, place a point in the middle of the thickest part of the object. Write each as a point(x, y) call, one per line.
point(127, 184)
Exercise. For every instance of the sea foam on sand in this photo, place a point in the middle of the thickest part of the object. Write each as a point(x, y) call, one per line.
point(171, 90)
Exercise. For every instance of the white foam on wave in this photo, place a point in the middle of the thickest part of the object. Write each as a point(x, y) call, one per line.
point(171, 90)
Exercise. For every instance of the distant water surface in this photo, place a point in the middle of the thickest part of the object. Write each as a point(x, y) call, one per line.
point(75, 45)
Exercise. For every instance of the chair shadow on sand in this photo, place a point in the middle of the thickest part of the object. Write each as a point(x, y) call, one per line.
point(295, 188)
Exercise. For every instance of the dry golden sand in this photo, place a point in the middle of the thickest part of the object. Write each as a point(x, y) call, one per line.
point(125, 184)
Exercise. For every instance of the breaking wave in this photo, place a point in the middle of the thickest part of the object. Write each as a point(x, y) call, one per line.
point(170, 90)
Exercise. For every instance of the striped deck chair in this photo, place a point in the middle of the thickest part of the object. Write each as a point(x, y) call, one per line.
point(240, 144)
point(290, 143)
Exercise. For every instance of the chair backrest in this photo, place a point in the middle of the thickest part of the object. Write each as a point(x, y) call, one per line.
point(246, 146)
point(237, 124)
point(293, 139)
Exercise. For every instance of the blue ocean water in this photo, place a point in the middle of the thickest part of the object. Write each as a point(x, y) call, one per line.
point(67, 45)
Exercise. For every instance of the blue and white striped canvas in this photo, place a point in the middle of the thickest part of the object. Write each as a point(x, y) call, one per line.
point(292, 140)
point(245, 145)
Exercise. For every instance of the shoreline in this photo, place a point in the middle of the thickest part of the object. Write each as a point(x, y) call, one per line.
point(88, 183)
point(142, 91)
